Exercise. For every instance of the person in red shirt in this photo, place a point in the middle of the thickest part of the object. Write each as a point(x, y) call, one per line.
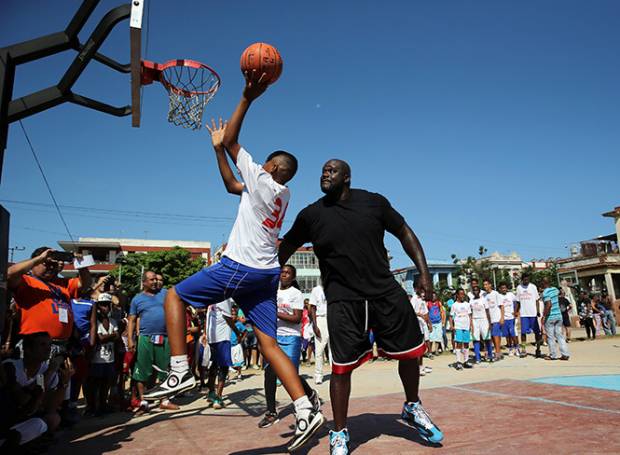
point(43, 299)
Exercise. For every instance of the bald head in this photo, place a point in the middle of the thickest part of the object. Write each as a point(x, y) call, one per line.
point(335, 177)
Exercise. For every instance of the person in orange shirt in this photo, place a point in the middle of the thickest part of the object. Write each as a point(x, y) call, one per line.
point(43, 299)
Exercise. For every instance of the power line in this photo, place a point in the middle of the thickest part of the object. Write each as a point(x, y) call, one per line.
point(49, 189)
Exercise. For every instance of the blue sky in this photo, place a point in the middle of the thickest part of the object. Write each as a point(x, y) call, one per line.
point(484, 123)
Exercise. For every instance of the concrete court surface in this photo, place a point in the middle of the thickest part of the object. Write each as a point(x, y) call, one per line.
point(493, 408)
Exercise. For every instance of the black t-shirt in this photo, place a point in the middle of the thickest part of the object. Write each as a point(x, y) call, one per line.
point(348, 240)
point(564, 304)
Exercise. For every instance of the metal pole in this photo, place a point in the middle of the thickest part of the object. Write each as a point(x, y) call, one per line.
point(120, 273)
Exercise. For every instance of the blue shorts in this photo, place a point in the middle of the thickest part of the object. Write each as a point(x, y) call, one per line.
point(291, 345)
point(462, 336)
point(254, 290)
point(529, 324)
point(220, 354)
point(508, 330)
point(496, 329)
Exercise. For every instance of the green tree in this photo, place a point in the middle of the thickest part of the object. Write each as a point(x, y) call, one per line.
point(174, 265)
point(551, 272)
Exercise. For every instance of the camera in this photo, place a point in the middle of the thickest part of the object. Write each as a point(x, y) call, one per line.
point(62, 256)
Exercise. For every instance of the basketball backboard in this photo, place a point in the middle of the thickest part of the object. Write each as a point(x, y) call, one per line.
point(135, 37)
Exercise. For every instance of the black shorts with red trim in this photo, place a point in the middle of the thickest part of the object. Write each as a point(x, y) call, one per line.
point(392, 320)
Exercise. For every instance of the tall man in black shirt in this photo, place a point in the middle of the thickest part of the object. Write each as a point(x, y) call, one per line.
point(346, 228)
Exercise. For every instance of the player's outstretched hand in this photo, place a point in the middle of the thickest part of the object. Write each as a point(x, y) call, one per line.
point(255, 85)
point(217, 132)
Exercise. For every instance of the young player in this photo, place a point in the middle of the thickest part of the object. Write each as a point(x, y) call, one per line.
point(418, 301)
point(461, 321)
point(529, 312)
point(249, 268)
point(481, 325)
point(496, 312)
point(290, 308)
point(507, 301)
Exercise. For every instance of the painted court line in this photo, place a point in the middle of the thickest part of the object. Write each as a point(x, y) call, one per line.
point(538, 399)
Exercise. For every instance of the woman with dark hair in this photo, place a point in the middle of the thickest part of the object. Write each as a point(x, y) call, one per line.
point(290, 308)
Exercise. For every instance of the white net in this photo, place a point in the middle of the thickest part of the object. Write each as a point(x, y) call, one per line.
point(189, 89)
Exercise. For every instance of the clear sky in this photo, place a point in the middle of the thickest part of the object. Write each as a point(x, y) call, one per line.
point(490, 123)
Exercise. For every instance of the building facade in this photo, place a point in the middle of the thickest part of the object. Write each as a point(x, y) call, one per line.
point(441, 272)
point(107, 251)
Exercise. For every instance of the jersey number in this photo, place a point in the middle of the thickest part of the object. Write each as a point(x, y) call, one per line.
point(277, 216)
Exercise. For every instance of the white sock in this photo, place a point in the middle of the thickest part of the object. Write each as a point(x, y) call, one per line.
point(465, 354)
point(178, 363)
point(302, 406)
point(458, 356)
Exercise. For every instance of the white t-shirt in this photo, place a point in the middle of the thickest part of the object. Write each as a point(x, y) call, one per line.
point(508, 302)
point(419, 306)
point(289, 299)
point(217, 328)
point(317, 298)
point(460, 313)
point(252, 241)
point(494, 306)
point(528, 297)
point(24, 380)
point(104, 353)
point(479, 307)
point(470, 295)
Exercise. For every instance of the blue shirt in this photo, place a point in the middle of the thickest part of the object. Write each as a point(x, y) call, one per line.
point(82, 309)
point(434, 312)
point(233, 335)
point(552, 295)
point(150, 310)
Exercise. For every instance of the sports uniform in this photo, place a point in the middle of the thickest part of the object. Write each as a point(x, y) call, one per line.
point(249, 271)
point(528, 297)
point(494, 303)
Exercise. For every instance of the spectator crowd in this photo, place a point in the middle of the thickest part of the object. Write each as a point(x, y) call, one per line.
point(68, 340)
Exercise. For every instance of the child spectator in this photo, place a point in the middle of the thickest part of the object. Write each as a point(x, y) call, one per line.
point(437, 317)
point(585, 311)
point(219, 325)
point(461, 321)
point(103, 368)
point(236, 348)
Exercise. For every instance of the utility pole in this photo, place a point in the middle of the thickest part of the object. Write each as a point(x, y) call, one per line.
point(13, 249)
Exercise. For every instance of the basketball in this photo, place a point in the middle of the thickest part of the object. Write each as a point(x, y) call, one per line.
point(264, 58)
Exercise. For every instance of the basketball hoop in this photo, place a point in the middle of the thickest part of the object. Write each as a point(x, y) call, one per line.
point(190, 86)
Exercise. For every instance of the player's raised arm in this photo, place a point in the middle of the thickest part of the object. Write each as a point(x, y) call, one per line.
point(255, 86)
point(217, 131)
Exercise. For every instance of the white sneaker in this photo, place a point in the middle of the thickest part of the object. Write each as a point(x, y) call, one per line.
point(174, 384)
point(422, 372)
point(428, 369)
point(305, 428)
point(318, 380)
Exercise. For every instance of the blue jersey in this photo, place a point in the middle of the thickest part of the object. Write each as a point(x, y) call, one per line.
point(434, 312)
point(150, 310)
point(82, 309)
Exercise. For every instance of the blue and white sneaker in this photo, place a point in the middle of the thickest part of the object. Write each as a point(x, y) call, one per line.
point(339, 442)
point(416, 417)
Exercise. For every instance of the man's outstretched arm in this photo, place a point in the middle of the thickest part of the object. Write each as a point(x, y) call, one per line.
point(233, 186)
point(254, 87)
point(414, 250)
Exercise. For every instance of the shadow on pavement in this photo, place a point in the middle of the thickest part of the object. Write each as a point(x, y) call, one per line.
point(362, 428)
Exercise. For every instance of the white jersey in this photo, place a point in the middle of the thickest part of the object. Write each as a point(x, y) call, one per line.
point(527, 296)
point(317, 298)
point(478, 308)
point(494, 304)
point(217, 328)
point(252, 241)
point(460, 313)
point(508, 302)
point(289, 300)
point(22, 378)
point(104, 353)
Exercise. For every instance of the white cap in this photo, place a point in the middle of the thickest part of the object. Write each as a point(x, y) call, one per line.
point(104, 297)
